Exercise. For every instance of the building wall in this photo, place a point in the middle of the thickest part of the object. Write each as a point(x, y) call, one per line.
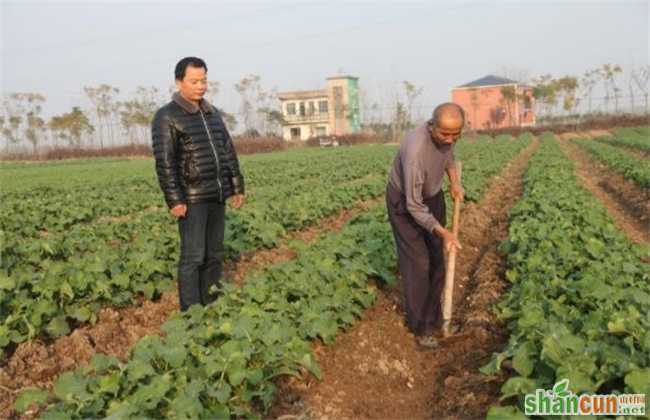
point(342, 116)
point(343, 94)
point(485, 107)
point(306, 131)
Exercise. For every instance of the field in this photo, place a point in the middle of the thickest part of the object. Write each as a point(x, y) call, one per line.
point(552, 283)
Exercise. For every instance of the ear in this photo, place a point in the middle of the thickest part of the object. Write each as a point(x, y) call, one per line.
point(178, 85)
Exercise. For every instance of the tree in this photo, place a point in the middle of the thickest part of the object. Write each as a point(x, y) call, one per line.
point(411, 92)
point(71, 126)
point(22, 111)
point(400, 120)
point(274, 118)
point(228, 119)
point(102, 99)
point(509, 98)
point(245, 89)
point(640, 79)
point(567, 86)
point(608, 74)
point(212, 92)
point(587, 84)
point(136, 114)
point(474, 100)
point(545, 92)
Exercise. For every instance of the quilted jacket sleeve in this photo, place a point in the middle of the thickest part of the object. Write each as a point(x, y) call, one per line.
point(164, 142)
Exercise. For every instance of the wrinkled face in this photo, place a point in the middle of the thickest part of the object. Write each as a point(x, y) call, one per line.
point(447, 130)
point(194, 84)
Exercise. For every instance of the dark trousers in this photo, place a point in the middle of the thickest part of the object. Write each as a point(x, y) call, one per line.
point(201, 263)
point(421, 262)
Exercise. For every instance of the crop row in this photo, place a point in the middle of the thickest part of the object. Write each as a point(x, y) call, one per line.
point(635, 138)
point(579, 299)
point(220, 360)
point(632, 168)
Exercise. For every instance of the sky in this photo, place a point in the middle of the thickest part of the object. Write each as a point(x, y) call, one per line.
point(56, 48)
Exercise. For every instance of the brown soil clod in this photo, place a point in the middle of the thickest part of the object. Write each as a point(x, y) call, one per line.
point(375, 369)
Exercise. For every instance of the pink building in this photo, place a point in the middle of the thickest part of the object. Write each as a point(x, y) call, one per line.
point(495, 102)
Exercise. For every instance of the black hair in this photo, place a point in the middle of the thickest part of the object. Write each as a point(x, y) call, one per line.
point(181, 66)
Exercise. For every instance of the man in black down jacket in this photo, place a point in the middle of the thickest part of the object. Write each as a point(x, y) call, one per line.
point(198, 171)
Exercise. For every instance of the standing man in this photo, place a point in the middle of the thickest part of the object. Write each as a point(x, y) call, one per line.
point(416, 210)
point(198, 171)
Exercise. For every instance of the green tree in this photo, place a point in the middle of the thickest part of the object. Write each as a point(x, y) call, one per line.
point(71, 126)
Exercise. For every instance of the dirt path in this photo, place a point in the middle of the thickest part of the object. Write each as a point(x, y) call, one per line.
point(38, 364)
point(627, 203)
point(375, 370)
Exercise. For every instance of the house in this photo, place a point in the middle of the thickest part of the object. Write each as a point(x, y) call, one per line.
point(330, 111)
point(495, 102)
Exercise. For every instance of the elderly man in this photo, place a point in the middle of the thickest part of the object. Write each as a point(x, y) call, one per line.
point(416, 210)
point(198, 171)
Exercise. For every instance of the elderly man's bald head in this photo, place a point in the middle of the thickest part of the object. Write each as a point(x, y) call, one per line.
point(448, 116)
point(447, 123)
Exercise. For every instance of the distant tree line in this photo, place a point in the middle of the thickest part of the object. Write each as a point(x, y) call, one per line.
point(109, 120)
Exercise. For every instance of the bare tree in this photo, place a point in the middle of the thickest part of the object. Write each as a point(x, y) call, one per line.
point(411, 92)
point(640, 79)
point(587, 84)
point(102, 99)
point(213, 90)
point(245, 89)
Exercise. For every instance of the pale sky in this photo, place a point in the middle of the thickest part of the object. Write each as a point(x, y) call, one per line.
point(56, 48)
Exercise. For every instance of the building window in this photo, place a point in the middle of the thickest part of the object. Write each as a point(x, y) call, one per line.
point(321, 131)
point(312, 108)
point(291, 109)
point(322, 107)
point(295, 133)
point(302, 109)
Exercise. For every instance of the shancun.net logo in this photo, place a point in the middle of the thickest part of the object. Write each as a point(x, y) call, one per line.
point(561, 401)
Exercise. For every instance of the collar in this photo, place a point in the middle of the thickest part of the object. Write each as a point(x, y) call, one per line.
point(191, 107)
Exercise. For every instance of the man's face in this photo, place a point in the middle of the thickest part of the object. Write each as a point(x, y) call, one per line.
point(194, 84)
point(447, 131)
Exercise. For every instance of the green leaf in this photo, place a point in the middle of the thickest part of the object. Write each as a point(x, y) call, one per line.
point(310, 364)
point(55, 414)
point(29, 397)
point(58, 327)
point(236, 375)
point(6, 282)
point(524, 358)
point(110, 384)
point(505, 413)
point(70, 386)
point(639, 381)
point(517, 386)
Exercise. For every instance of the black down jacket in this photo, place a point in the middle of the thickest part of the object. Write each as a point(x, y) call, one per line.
point(196, 160)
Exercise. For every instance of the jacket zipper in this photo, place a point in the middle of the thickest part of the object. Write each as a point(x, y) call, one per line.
point(214, 152)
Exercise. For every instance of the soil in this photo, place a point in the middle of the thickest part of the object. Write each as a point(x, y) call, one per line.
point(627, 203)
point(375, 370)
point(38, 363)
